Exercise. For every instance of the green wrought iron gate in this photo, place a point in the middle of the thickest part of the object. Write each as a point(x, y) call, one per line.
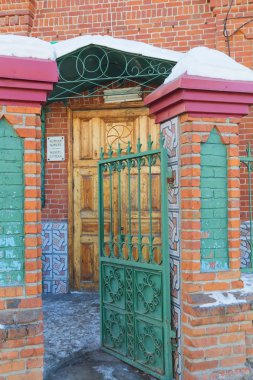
point(134, 259)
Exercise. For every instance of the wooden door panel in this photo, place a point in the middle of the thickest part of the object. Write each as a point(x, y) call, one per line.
point(87, 262)
point(91, 130)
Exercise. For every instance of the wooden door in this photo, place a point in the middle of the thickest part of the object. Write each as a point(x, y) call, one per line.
point(91, 131)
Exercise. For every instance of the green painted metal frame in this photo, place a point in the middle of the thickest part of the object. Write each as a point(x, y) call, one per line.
point(87, 71)
point(131, 324)
point(247, 161)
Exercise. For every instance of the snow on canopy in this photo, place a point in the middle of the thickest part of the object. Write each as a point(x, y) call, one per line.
point(199, 61)
point(210, 63)
point(128, 46)
point(30, 47)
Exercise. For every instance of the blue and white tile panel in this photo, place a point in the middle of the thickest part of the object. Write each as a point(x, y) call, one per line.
point(245, 245)
point(55, 257)
point(171, 143)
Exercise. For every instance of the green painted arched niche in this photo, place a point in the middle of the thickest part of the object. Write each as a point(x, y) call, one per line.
point(11, 206)
point(214, 205)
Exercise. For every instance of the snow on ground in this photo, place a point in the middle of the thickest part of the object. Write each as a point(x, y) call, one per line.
point(107, 372)
point(72, 344)
point(210, 63)
point(72, 324)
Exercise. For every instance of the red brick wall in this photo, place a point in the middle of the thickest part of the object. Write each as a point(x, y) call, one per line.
point(178, 25)
point(56, 173)
point(174, 25)
point(21, 306)
point(17, 16)
point(241, 49)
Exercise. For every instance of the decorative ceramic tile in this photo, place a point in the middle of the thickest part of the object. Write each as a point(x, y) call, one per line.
point(60, 238)
point(170, 134)
point(174, 241)
point(59, 286)
point(47, 286)
point(60, 267)
point(175, 280)
point(173, 189)
point(47, 238)
point(245, 244)
point(47, 267)
point(54, 257)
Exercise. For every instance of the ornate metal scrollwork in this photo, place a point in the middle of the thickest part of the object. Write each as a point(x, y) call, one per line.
point(149, 345)
point(95, 67)
point(114, 285)
point(148, 293)
point(114, 330)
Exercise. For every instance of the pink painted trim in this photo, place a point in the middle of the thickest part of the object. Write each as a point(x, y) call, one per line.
point(200, 96)
point(26, 81)
point(41, 70)
point(25, 84)
point(200, 83)
point(23, 94)
point(20, 103)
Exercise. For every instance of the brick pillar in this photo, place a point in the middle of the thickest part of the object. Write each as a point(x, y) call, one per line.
point(215, 307)
point(21, 323)
point(17, 18)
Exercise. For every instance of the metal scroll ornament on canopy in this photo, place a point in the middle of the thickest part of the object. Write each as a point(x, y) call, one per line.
point(89, 70)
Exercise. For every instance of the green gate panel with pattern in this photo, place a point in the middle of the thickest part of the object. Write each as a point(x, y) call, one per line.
point(134, 259)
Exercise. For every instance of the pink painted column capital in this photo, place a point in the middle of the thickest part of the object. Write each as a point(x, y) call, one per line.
point(26, 81)
point(200, 97)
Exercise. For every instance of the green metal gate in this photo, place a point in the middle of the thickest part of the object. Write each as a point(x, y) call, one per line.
point(134, 259)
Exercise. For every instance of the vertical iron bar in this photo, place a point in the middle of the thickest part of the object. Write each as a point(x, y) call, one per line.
point(150, 160)
point(166, 261)
point(101, 242)
point(150, 209)
point(119, 210)
point(129, 211)
point(111, 211)
point(139, 211)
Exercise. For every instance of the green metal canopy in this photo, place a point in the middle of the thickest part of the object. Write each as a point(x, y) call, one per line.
point(90, 69)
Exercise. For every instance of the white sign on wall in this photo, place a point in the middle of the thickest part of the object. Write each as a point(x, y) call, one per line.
point(56, 148)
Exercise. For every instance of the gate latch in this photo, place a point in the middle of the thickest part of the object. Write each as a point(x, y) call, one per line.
point(170, 177)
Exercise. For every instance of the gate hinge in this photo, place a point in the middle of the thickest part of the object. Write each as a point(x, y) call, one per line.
point(173, 336)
